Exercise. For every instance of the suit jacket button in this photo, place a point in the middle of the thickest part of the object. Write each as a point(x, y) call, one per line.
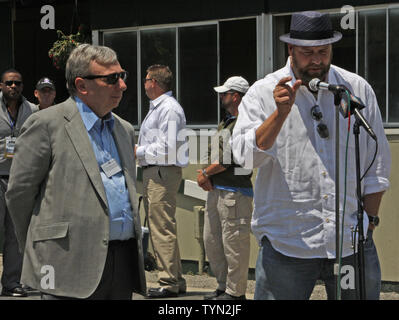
point(105, 242)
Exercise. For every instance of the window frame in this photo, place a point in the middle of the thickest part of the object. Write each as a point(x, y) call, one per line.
point(98, 38)
point(358, 9)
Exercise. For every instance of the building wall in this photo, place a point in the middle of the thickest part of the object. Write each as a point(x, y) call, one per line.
point(6, 59)
point(386, 236)
point(144, 13)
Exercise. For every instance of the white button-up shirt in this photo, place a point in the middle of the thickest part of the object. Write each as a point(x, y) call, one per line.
point(295, 188)
point(162, 139)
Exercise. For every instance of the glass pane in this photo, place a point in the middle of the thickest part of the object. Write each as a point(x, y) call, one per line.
point(344, 51)
point(125, 45)
point(157, 47)
point(198, 73)
point(393, 65)
point(280, 54)
point(237, 58)
point(372, 53)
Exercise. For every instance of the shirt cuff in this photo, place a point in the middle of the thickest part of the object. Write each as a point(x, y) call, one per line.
point(140, 152)
point(375, 185)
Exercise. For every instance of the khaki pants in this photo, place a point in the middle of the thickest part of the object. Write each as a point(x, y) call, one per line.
point(227, 239)
point(160, 190)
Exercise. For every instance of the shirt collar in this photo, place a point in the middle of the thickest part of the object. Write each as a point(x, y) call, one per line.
point(156, 102)
point(90, 119)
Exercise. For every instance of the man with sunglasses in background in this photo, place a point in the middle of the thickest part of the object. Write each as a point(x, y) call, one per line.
point(159, 154)
point(229, 202)
point(72, 193)
point(15, 109)
point(288, 131)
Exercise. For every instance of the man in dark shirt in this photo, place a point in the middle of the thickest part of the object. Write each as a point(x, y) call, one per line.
point(229, 202)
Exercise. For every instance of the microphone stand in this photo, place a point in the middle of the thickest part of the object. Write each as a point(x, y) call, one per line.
point(338, 92)
point(337, 271)
point(360, 212)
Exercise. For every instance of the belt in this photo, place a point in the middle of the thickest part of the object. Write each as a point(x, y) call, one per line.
point(149, 166)
point(118, 242)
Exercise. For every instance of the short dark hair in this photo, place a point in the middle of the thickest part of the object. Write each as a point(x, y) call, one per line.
point(10, 70)
point(163, 75)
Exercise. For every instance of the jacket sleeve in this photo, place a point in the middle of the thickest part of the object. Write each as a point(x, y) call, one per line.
point(28, 170)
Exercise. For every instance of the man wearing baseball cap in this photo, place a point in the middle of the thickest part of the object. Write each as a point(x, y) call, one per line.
point(289, 131)
point(229, 202)
point(45, 93)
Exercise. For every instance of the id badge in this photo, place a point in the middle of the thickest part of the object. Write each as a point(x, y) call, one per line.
point(111, 168)
point(10, 147)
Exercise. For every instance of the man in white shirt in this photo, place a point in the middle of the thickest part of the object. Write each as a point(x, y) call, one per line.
point(161, 153)
point(288, 132)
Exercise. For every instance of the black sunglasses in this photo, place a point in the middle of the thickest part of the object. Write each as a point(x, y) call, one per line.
point(9, 83)
point(112, 78)
point(322, 128)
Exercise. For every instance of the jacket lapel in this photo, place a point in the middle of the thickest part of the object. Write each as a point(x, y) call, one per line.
point(79, 137)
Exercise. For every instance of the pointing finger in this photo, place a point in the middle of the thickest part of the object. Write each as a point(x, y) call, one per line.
point(284, 80)
point(296, 85)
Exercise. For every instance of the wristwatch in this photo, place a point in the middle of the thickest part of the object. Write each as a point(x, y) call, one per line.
point(374, 220)
point(204, 173)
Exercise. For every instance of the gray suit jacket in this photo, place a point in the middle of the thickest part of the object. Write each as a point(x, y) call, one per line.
point(57, 201)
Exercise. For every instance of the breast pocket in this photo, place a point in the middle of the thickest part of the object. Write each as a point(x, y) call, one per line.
point(50, 232)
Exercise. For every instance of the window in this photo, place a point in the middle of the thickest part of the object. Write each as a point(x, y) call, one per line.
point(200, 57)
point(157, 47)
point(393, 96)
point(372, 53)
point(125, 45)
point(238, 50)
point(198, 74)
point(371, 50)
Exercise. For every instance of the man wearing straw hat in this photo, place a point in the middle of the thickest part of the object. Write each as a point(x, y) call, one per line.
point(289, 131)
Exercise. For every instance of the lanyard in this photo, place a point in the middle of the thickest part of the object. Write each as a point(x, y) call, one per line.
point(12, 123)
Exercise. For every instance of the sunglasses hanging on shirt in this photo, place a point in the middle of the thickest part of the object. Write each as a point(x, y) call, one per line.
point(322, 128)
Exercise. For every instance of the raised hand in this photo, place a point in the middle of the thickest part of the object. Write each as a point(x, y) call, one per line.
point(284, 94)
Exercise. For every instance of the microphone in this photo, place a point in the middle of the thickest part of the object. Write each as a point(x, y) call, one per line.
point(355, 103)
point(316, 85)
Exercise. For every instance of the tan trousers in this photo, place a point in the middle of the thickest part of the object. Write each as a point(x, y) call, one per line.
point(227, 239)
point(159, 194)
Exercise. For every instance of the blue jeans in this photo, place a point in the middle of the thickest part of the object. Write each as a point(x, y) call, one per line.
point(285, 278)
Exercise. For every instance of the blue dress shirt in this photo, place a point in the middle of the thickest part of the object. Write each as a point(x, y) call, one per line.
point(100, 135)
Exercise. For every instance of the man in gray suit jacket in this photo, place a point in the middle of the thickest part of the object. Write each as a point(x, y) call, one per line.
point(72, 193)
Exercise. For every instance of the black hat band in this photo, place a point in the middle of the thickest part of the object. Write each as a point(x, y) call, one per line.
point(311, 35)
